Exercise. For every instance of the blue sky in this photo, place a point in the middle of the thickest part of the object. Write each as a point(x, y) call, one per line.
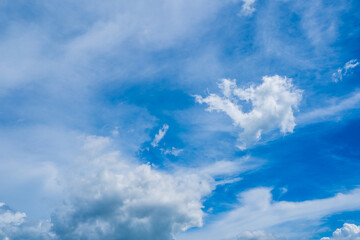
point(177, 119)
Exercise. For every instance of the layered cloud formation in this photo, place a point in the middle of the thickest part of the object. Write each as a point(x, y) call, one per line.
point(247, 7)
point(86, 87)
point(114, 198)
point(272, 107)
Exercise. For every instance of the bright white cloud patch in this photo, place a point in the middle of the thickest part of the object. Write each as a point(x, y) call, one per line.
point(344, 71)
point(9, 217)
point(116, 199)
point(110, 197)
point(247, 7)
point(272, 103)
point(160, 135)
point(347, 232)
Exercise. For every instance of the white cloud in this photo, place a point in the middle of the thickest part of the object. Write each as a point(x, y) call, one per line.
point(9, 217)
point(272, 102)
point(13, 225)
point(255, 235)
point(257, 211)
point(320, 23)
point(160, 135)
point(338, 106)
point(173, 151)
point(92, 29)
point(116, 198)
point(108, 196)
point(344, 71)
point(229, 168)
point(347, 232)
point(247, 7)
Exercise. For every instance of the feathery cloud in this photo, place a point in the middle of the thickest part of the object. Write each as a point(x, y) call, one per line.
point(257, 210)
point(160, 135)
point(117, 198)
point(344, 71)
point(321, 114)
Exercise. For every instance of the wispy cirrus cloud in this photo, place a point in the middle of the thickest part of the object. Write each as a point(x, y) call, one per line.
point(255, 235)
point(160, 135)
point(344, 71)
point(172, 151)
point(257, 211)
point(333, 110)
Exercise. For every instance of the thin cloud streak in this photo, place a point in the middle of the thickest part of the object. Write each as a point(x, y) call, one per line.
point(329, 112)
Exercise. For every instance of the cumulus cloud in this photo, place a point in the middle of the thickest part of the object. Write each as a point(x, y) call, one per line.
point(272, 103)
point(13, 225)
point(247, 8)
point(345, 70)
point(118, 199)
point(160, 135)
point(347, 232)
point(108, 196)
point(257, 210)
point(7, 216)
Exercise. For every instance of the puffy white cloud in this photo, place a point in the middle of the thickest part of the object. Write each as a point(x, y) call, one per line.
point(160, 135)
point(7, 216)
point(272, 102)
point(247, 8)
point(13, 225)
point(115, 198)
point(257, 210)
point(344, 71)
point(347, 232)
point(108, 196)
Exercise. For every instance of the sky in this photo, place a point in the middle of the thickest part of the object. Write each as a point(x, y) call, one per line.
point(180, 120)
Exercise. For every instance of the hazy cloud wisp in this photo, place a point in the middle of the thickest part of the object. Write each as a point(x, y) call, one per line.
point(344, 71)
point(160, 135)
